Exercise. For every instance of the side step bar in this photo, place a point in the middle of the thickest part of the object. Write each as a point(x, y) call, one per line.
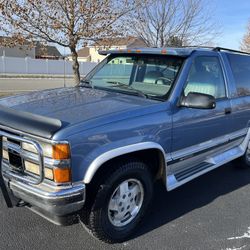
point(177, 179)
point(192, 171)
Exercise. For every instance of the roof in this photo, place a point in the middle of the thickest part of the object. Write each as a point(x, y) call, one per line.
point(46, 51)
point(84, 52)
point(168, 51)
point(183, 51)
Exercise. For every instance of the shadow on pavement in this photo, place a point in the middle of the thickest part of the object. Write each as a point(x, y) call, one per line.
point(167, 206)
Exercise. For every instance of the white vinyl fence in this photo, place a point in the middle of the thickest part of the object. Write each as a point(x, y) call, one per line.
point(15, 65)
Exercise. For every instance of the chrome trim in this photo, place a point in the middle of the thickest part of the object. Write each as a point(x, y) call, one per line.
point(186, 152)
point(172, 183)
point(216, 160)
point(56, 201)
point(70, 191)
point(100, 160)
point(40, 158)
point(47, 182)
point(168, 157)
point(33, 157)
point(47, 162)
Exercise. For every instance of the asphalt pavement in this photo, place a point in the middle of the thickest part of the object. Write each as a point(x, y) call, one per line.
point(211, 212)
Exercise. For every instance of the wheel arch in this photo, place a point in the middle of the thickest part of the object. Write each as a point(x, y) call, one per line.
point(124, 151)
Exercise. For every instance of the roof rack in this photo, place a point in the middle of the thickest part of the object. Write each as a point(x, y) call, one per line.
point(230, 50)
point(197, 46)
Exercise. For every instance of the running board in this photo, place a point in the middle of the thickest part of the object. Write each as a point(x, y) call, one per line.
point(192, 171)
point(177, 179)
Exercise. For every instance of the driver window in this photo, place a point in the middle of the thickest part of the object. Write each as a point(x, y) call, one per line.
point(206, 77)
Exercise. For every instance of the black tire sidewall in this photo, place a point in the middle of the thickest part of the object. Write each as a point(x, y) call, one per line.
point(243, 162)
point(246, 161)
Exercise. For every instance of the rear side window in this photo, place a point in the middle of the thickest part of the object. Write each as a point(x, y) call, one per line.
point(240, 65)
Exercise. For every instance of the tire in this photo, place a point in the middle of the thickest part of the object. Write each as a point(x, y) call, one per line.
point(243, 161)
point(121, 202)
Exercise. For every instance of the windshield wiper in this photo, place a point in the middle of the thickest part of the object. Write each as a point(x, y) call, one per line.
point(86, 84)
point(125, 86)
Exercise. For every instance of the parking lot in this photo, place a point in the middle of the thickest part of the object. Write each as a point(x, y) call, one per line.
point(212, 212)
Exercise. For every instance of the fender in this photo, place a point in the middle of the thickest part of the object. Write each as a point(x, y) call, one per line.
point(109, 155)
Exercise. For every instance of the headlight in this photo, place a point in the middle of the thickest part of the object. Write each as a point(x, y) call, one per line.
point(56, 151)
point(5, 155)
point(34, 169)
point(47, 148)
point(59, 152)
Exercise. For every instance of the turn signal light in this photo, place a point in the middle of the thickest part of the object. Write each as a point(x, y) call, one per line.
point(62, 175)
point(61, 152)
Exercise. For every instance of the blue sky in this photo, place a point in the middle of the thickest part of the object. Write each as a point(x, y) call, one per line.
point(233, 16)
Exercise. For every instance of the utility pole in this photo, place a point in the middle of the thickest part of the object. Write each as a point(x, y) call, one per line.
point(64, 69)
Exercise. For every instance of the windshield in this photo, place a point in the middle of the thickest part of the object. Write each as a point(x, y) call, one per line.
point(144, 75)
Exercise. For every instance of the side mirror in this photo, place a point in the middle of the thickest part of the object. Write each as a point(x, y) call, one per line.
point(198, 101)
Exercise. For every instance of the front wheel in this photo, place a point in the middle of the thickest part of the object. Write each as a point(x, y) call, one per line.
point(121, 202)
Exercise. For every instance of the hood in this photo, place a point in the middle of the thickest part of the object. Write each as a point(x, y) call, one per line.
point(74, 105)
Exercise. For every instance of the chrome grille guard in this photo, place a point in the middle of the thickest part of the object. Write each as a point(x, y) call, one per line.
point(39, 149)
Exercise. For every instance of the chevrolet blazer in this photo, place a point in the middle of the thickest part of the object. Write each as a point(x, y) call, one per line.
point(91, 153)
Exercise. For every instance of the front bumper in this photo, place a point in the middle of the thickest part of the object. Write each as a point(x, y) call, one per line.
point(47, 200)
point(60, 202)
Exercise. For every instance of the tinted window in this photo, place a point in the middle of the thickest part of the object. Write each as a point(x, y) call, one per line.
point(206, 77)
point(240, 65)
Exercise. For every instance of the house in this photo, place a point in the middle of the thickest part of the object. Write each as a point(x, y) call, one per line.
point(38, 51)
point(90, 53)
point(84, 54)
point(15, 50)
point(47, 52)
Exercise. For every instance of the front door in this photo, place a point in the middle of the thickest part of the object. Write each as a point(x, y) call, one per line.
point(196, 131)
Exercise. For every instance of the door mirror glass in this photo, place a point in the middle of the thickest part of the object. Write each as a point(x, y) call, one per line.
point(198, 101)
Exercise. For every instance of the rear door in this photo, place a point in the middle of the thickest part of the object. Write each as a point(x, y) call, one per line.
point(239, 79)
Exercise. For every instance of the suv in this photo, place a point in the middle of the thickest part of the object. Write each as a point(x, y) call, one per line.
point(91, 153)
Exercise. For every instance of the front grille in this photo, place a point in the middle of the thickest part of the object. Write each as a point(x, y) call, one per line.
point(15, 158)
point(16, 161)
point(18, 143)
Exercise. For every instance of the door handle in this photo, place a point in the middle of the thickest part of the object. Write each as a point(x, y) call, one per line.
point(228, 111)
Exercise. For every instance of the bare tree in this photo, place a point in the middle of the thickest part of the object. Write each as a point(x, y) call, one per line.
point(245, 44)
point(162, 23)
point(68, 23)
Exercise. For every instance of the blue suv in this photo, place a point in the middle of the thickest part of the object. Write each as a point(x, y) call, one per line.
point(91, 153)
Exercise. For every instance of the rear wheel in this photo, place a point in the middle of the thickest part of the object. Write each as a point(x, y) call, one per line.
point(243, 161)
point(121, 202)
